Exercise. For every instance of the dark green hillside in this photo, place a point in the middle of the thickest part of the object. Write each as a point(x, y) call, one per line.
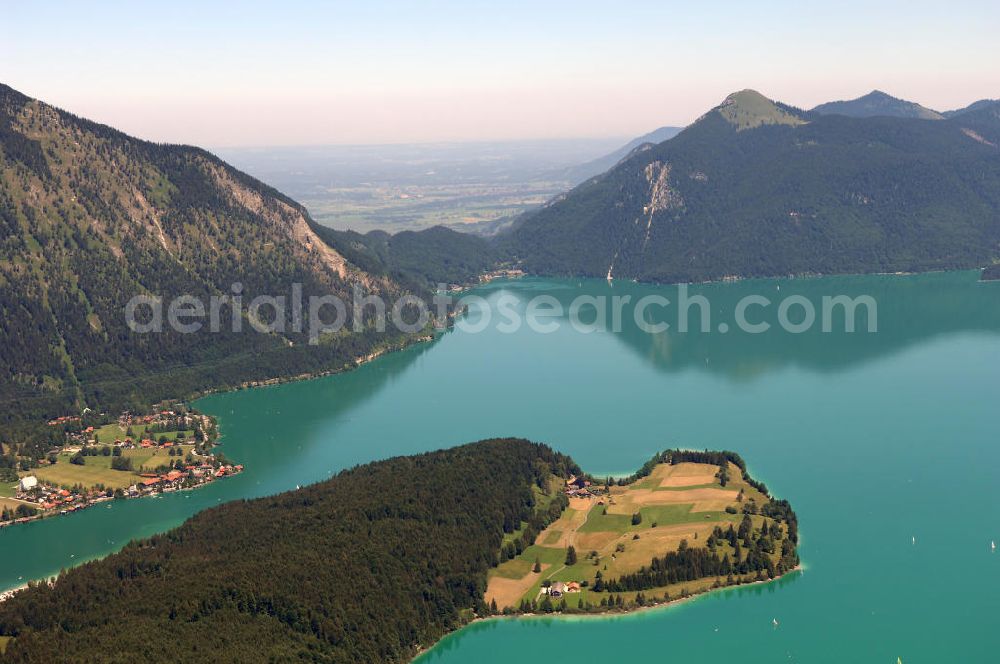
point(421, 259)
point(981, 123)
point(90, 217)
point(364, 567)
point(974, 106)
point(877, 103)
point(754, 188)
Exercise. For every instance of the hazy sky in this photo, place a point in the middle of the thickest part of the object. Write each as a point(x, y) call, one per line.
point(296, 72)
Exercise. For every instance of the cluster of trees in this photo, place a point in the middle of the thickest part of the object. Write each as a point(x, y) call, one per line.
point(752, 553)
point(122, 463)
point(673, 457)
point(79, 459)
point(8, 468)
point(18, 512)
point(364, 567)
point(534, 522)
point(173, 423)
point(179, 463)
point(610, 602)
point(781, 510)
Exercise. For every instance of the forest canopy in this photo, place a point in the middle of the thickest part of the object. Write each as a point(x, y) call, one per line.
point(364, 567)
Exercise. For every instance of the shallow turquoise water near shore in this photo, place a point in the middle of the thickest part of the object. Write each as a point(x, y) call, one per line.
point(886, 444)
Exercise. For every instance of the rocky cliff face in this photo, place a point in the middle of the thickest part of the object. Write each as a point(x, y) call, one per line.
point(90, 217)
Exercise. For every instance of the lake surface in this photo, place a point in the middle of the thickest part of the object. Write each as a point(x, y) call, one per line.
point(886, 444)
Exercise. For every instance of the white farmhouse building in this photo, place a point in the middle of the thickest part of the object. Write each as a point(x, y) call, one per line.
point(28, 483)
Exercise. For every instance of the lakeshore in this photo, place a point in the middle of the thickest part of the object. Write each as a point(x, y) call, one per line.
point(662, 492)
point(631, 400)
point(103, 459)
point(74, 491)
point(608, 616)
point(7, 594)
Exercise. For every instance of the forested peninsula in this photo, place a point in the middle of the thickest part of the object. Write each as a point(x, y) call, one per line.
point(382, 560)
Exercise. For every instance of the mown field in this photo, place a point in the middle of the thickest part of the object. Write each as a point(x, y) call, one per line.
point(97, 469)
point(109, 433)
point(9, 503)
point(676, 502)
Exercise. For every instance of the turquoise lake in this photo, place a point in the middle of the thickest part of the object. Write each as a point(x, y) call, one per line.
point(887, 444)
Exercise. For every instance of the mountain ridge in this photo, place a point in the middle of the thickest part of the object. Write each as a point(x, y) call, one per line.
point(878, 103)
point(597, 166)
point(758, 188)
point(974, 106)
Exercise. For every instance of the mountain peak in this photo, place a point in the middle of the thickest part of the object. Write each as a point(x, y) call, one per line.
point(745, 95)
point(878, 103)
point(747, 109)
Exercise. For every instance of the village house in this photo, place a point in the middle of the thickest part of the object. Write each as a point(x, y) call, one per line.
point(560, 588)
point(50, 499)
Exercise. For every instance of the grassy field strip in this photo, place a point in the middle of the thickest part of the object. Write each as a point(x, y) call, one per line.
point(97, 469)
point(676, 502)
point(11, 503)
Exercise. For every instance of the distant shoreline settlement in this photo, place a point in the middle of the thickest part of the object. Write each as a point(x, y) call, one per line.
point(97, 458)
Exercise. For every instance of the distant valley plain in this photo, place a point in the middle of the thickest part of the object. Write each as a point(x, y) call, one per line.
point(411, 187)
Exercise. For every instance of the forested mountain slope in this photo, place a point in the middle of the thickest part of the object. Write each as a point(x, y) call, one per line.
point(90, 217)
point(364, 567)
point(877, 103)
point(974, 106)
point(756, 188)
point(419, 259)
